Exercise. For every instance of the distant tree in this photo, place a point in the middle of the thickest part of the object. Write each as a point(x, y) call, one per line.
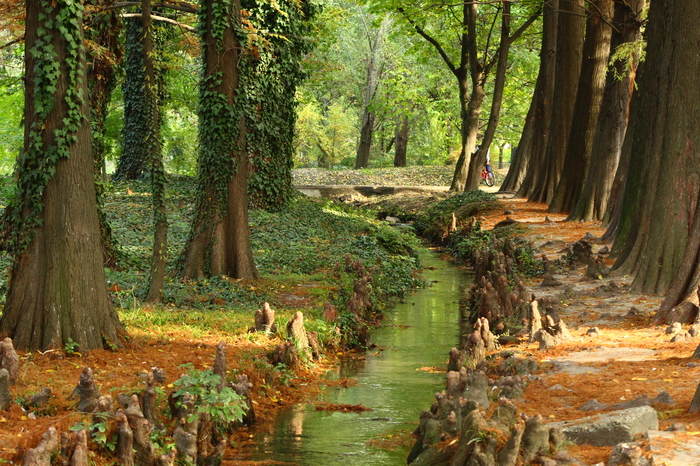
point(475, 58)
point(219, 239)
point(375, 40)
point(57, 290)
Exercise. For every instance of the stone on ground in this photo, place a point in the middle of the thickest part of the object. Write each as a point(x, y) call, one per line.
point(611, 428)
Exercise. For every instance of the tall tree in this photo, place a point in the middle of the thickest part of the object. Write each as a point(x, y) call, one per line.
point(153, 148)
point(542, 178)
point(598, 187)
point(57, 290)
point(526, 166)
point(661, 245)
point(105, 54)
point(476, 59)
point(270, 78)
point(219, 240)
point(375, 41)
point(589, 95)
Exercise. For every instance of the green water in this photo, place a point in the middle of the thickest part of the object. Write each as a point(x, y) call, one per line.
point(393, 383)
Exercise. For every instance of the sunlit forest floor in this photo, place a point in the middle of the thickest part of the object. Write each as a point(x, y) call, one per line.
point(628, 358)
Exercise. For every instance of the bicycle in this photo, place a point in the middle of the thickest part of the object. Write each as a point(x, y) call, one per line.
point(487, 177)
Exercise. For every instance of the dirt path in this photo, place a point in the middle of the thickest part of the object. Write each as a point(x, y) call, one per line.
point(627, 358)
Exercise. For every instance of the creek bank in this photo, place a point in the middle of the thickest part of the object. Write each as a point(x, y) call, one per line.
point(628, 358)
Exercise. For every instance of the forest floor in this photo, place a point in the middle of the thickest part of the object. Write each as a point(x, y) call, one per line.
point(629, 357)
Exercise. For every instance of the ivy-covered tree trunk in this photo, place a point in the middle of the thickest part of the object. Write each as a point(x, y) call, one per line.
point(598, 187)
point(155, 159)
point(270, 78)
point(662, 243)
point(589, 96)
point(219, 241)
point(57, 289)
point(133, 162)
point(104, 31)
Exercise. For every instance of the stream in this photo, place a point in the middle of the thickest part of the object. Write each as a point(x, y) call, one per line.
point(396, 380)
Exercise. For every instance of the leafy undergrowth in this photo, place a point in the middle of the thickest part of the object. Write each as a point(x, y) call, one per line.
point(436, 175)
point(297, 251)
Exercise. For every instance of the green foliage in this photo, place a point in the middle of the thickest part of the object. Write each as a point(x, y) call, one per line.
point(224, 405)
point(70, 347)
point(270, 76)
point(437, 218)
point(98, 431)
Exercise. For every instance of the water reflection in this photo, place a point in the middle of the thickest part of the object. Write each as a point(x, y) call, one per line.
point(397, 380)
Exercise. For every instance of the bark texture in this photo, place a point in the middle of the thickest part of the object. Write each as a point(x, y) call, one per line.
point(57, 289)
point(598, 187)
point(525, 171)
point(220, 240)
point(661, 245)
point(571, 20)
point(589, 95)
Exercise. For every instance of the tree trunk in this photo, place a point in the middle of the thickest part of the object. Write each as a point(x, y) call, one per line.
point(526, 170)
point(102, 80)
point(401, 144)
point(365, 146)
point(133, 161)
point(470, 104)
point(368, 117)
point(498, 86)
point(219, 241)
point(153, 146)
point(662, 191)
point(589, 95)
point(612, 123)
point(571, 20)
point(57, 289)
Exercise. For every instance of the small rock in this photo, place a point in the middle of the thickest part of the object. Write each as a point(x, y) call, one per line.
point(549, 280)
point(557, 387)
point(39, 400)
point(604, 250)
point(664, 398)
point(392, 220)
point(593, 405)
point(680, 337)
point(676, 327)
point(694, 330)
point(625, 454)
point(589, 235)
point(676, 427)
point(508, 212)
point(593, 332)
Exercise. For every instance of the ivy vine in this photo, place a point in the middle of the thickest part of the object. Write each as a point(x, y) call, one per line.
point(59, 22)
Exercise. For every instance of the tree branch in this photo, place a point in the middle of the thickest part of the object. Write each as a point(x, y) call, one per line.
point(519, 32)
point(181, 6)
point(161, 18)
point(430, 39)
